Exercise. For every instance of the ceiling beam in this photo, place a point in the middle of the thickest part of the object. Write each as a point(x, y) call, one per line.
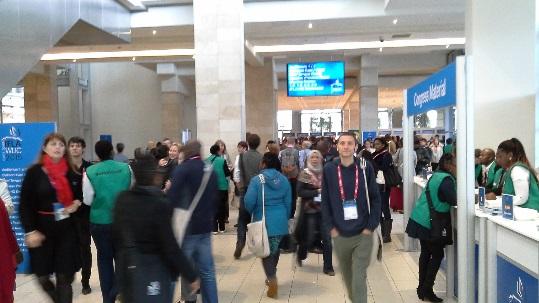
point(251, 57)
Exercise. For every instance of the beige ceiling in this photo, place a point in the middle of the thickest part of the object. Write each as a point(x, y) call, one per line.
point(387, 98)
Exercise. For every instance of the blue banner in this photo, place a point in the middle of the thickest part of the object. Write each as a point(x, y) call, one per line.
point(368, 135)
point(438, 90)
point(514, 284)
point(21, 144)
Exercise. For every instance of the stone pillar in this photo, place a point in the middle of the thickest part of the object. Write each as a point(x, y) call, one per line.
point(296, 121)
point(345, 118)
point(172, 115)
point(368, 94)
point(219, 71)
point(41, 96)
point(261, 101)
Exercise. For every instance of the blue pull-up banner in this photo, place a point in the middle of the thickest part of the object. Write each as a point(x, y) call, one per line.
point(438, 90)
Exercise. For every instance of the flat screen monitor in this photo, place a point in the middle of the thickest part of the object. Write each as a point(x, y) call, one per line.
point(307, 79)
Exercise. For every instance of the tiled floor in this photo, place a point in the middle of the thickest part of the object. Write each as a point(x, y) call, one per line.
point(393, 280)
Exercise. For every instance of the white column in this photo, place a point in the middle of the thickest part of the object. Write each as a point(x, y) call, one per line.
point(368, 94)
point(219, 71)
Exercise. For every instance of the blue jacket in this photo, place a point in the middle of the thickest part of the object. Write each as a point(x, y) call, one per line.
point(332, 204)
point(278, 202)
point(186, 179)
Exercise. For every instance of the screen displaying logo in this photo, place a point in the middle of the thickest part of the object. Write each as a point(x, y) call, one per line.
point(12, 145)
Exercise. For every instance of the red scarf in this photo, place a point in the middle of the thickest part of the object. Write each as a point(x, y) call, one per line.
point(57, 176)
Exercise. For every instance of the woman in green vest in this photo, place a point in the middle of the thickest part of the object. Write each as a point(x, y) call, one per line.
point(220, 168)
point(443, 194)
point(519, 179)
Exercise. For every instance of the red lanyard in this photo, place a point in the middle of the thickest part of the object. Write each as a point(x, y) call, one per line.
point(341, 187)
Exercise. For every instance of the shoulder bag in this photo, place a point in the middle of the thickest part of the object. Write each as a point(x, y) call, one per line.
point(257, 235)
point(181, 217)
point(441, 230)
point(377, 246)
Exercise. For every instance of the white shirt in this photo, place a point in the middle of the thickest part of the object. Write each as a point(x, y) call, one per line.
point(521, 183)
point(237, 176)
point(6, 197)
point(437, 152)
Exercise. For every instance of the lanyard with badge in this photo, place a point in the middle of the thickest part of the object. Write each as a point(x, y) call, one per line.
point(349, 206)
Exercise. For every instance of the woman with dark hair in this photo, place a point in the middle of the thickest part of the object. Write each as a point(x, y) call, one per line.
point(382, 162)
point(277, 206)
point(222, 172)
point(308, 231)
point(46, 204)
point(147, 249)
point(442, 192)
point(519, 179)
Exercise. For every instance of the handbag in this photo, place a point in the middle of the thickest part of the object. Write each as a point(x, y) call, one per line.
point(392, 176)
point(380, 179)
point(181, 217)
point(257, 234)
point(377, 247)
point(441, 230)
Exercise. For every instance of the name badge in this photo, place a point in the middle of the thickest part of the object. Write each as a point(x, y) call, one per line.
point(59, 212)
point(350, 210)
point(318, 198)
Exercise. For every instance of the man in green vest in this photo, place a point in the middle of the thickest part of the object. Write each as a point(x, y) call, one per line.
point(491, 170)
point(221, 170)
point(101, 185)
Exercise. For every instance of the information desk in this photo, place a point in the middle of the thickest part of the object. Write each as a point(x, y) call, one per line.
point(507, 257)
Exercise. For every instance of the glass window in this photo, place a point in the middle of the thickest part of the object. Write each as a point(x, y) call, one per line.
point(284, 120)
point(329, 120)
point(383, 118)
point(13, 106)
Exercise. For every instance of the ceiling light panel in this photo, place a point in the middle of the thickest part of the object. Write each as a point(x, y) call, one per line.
point(119, 54)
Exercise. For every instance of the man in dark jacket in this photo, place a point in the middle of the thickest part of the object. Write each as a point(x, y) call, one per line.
point(249, 166)
point(76, 151)
point(186, 180)
point(424, 156)
point(345, 214)
point(149, 258)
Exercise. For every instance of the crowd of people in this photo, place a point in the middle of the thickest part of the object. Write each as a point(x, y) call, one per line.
point(129, 206)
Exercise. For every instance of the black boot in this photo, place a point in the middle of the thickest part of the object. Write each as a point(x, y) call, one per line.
point(388, 226)
point(383, 227)
point(239, 248)
point(428, 284)
point(431, 297)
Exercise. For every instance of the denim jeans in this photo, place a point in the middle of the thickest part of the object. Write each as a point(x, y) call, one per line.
point(102, 235)
point(199, 250)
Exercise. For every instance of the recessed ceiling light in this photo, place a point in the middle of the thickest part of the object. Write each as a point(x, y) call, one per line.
point(395, 21)
point(134, 58)
point(447, 46)
point(358, 45)
point(118, 54)
point(154, 32)
point(381, 49)
point(74, 60)
point(310, 25)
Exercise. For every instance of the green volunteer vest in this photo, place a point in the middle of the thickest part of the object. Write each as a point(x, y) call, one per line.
point(218, 163)
point(421, 213)
point(498, 179)
point(491, 175)
point(448, 149)
point(533, 196)
point(478, 173)
point(108, 178)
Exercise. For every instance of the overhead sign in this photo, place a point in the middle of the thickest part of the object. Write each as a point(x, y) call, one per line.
point(368, 135)
point(21, 144)
point(437, 91)
point(306, 79)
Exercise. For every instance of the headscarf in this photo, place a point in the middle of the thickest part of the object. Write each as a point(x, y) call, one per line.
point(312, 175)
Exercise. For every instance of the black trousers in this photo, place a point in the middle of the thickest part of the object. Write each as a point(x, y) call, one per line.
point(384, 195)
point(312, 234)
point(221, 214)
point(83, 231)
point(429, 262)
point(288, 242)
point(244, 218)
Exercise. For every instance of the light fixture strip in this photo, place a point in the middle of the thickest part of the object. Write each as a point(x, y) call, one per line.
point(359, 45)
point(119, 54)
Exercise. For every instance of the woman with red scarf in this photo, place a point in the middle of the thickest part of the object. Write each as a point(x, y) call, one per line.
point(10, 256)
point(47, 200)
